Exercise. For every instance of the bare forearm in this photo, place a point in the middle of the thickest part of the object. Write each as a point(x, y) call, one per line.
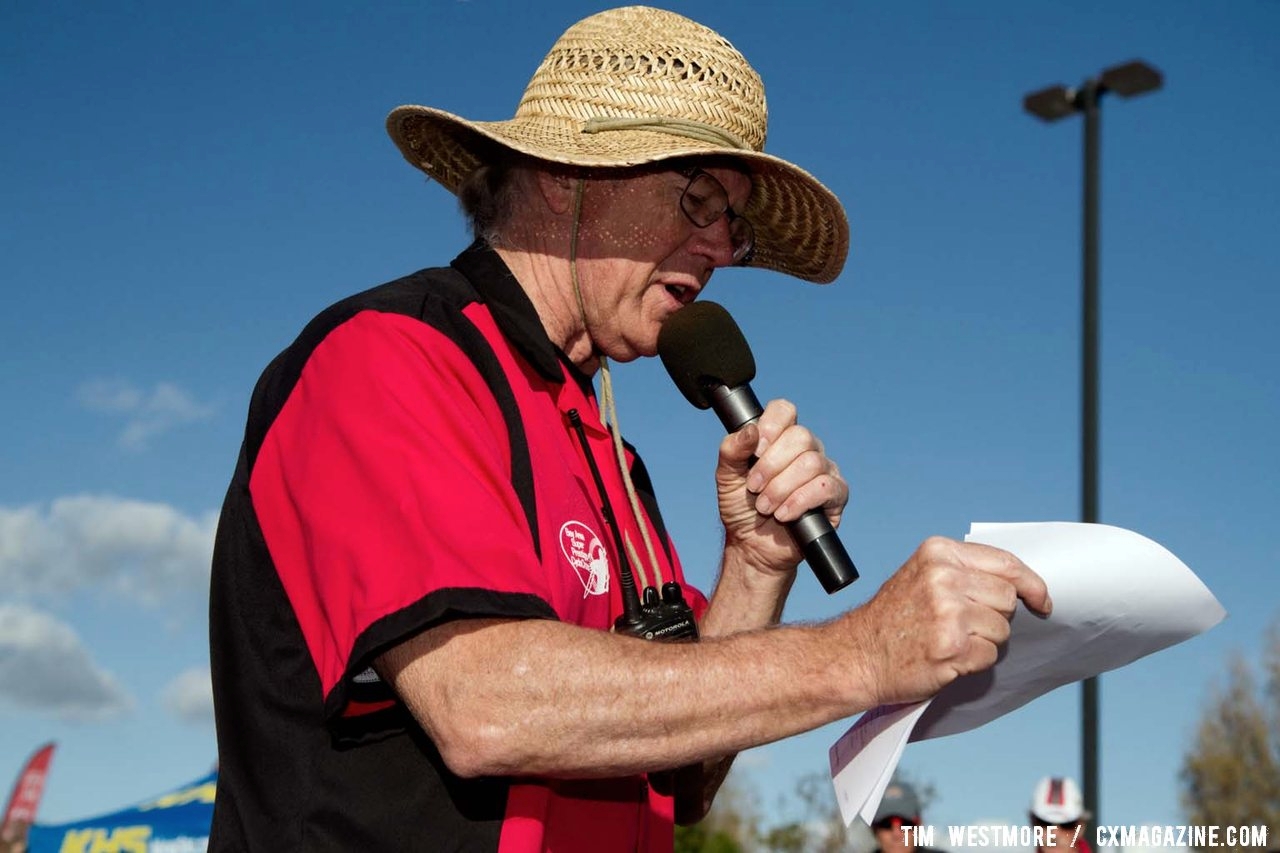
point(744, 598)
point(541, 697)
point(547, 698)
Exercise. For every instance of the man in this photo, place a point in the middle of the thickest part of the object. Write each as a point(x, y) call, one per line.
point(900, 807)
point(421, 552)
point(1058, 813)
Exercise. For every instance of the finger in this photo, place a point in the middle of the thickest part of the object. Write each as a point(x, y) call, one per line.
point(988, 624)
point(976, 646)
point(781, 452)
point(737, 449)
point(805, 484)
point(980, 655)
point(825, 493)
point(992, 592)
point(778, 415)
point(1028, 585)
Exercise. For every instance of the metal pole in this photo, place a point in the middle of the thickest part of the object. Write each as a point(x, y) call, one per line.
point(1088, 104)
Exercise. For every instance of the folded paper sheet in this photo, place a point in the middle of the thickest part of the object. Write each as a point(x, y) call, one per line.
point(1117, 596)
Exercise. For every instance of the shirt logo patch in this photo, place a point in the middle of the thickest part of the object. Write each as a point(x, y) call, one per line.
point(581, 547)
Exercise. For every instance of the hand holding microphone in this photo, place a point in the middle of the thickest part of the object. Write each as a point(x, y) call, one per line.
point(710, 362)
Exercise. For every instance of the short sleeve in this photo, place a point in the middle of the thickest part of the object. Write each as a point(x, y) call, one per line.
point(383, 489)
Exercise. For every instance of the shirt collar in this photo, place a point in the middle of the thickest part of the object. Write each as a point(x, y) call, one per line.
point(512, 310)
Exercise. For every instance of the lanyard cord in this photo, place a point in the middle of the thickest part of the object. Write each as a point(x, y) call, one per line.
point(629, 594)
point(610, 410)
point(606, 391)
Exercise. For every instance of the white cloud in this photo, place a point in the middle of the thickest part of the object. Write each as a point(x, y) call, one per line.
point(45, 667)
point(146, 414)
point(189, 697)
point(110, 396)
point(144, 551)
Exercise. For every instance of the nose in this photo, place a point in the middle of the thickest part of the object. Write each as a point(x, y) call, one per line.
point(714, 242)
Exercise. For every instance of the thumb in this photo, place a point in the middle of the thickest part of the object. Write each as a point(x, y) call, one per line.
point(737, 451)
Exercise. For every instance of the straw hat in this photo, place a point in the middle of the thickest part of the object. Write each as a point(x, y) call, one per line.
point(636, 85)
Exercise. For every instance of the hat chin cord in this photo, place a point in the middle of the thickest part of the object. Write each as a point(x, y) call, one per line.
point(610, 409)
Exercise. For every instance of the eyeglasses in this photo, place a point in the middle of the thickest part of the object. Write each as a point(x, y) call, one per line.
point(705, 200)
point(895, 823)
point(1068, 826)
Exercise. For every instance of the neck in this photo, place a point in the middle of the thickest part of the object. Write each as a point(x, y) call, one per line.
point(546, 278)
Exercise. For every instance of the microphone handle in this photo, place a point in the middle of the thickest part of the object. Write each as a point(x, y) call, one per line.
point(818, 540)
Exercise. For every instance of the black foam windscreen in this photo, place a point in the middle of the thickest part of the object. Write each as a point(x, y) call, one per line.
point(701, 346)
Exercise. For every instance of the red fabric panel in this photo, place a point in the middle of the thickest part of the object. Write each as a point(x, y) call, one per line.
point(386, 476)
point(587, 816)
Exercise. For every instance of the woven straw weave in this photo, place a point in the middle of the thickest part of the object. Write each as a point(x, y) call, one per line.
point(640, 63)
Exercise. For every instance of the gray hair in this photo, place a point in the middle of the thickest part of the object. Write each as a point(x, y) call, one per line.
point(489, 197)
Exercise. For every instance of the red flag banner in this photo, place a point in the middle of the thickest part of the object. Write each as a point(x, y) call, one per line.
point(27, 791)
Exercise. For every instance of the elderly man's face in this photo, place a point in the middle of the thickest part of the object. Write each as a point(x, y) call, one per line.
point(640, 259)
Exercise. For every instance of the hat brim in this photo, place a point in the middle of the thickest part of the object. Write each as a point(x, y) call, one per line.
point(800, 225)
point(1058, 818)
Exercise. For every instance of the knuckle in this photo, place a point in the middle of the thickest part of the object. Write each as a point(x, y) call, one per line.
point(1011, 562)
point(1010, 599)
point(802, 436)
point(936, 549)
point(948, 642)
point(939, 610)
point(786, 409)
point(812, 464)
point(984, 656)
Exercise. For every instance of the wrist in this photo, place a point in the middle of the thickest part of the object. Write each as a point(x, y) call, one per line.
point(756, 572)
point(746, 597)
point(857, 669)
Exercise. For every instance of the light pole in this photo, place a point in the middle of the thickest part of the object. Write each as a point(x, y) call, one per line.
point(1051, 104)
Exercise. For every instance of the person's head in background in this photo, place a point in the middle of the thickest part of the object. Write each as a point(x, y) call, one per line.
point(898, 808)
point(1057, 804)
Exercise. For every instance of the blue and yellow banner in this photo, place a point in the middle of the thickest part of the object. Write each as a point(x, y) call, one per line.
point(175, 822)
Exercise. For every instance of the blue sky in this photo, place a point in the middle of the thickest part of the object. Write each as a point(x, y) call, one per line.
point(184, 185)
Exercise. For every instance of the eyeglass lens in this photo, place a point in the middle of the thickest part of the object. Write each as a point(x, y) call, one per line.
point(705, 200)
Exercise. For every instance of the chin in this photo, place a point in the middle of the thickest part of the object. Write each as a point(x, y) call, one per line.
point(649, 347)
point(624, 351)
point(631, 347)
point(631, 355)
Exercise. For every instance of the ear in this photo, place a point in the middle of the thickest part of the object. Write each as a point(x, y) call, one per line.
point(557, 191)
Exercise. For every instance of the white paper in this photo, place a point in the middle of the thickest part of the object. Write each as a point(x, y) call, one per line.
point(863, 760)
point(1117, 596)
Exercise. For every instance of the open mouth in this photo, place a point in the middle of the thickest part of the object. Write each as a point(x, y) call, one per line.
point(683, 295)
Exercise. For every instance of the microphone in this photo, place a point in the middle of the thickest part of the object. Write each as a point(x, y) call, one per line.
point(709, 360)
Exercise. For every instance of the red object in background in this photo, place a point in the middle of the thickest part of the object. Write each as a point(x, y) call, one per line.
point(27, 791)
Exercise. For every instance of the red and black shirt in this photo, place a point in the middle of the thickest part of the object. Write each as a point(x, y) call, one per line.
point(407, 461)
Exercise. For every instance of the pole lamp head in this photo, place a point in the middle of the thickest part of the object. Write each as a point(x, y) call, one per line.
point(1051, 104)
point(1131, 78)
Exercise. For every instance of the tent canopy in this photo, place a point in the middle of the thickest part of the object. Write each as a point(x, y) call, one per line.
point(174, 822)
